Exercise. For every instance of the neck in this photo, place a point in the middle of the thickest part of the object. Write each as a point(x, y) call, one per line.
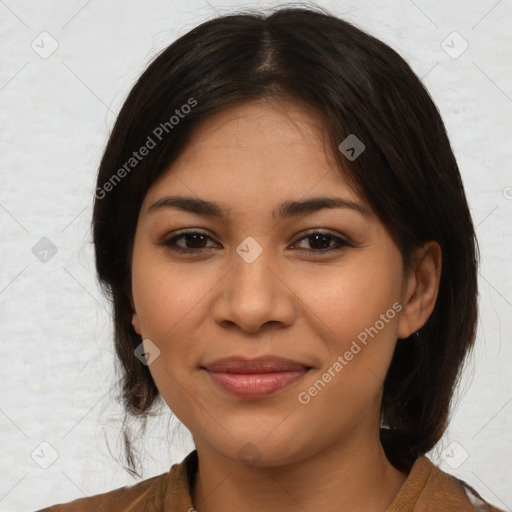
point(349, 477)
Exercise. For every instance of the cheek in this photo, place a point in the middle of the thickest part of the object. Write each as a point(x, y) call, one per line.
point(168, 300)
point(164, 296)
point(358, 311)
point(351, 298)
point(164, 301)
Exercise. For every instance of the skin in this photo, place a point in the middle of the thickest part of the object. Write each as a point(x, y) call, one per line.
point(323, 455)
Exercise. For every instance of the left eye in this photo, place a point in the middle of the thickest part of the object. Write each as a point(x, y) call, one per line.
point(197, 239)
point(324, 239)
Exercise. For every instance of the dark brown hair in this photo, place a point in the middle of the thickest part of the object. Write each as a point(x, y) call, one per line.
point(407, 173)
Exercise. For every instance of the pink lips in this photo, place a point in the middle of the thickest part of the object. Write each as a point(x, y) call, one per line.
point(254, 378)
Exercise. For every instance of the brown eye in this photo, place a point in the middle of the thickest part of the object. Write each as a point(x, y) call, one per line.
point(321, 242)
point(194, 241)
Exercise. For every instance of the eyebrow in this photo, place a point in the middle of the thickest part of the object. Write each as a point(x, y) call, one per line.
point(287, 209)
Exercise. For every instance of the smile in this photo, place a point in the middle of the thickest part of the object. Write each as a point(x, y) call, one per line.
point(255, 385)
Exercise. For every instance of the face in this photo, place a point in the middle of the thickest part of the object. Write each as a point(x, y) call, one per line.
point(323, 288)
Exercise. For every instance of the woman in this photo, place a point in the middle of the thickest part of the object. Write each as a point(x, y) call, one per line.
point(281, 226)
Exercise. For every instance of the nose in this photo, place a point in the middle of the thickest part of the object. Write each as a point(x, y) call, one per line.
point(254, 294)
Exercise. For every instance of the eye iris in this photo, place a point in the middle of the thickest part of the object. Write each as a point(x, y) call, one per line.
point(197, 240)
point(321, 237)
point(196, 237)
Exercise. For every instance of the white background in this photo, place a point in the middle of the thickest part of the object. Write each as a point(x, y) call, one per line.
point(56, 351)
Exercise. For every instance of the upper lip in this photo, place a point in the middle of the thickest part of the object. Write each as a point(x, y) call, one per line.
point(263, 364)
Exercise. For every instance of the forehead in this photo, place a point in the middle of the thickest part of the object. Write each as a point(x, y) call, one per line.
point(249, 123)
point(254, 154)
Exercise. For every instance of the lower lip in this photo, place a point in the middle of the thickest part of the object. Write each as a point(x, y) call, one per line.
point(255, 385)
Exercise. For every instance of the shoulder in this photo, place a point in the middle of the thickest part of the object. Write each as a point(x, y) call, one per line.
point(128, 498)
point(168, 491)
point(429, 488)
point(446, 486)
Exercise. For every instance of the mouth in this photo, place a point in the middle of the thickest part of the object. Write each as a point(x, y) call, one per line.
point(254, 378)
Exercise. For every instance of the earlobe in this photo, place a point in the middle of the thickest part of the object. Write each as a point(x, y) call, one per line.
point(136, 323)
point(135, 317)
point(421, 291)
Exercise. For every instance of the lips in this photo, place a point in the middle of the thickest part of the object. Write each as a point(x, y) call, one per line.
point(264, 364)
point(254, 378)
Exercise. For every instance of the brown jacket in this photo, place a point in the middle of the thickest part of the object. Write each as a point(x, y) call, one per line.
point(427, 489)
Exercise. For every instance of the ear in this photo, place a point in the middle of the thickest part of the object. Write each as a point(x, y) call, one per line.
point(421, 288)
point(136, 323)
point(135, 317)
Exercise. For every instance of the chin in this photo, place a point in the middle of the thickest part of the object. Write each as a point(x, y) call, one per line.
point(262, 450)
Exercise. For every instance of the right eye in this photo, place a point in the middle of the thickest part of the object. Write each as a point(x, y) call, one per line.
point(191, 237)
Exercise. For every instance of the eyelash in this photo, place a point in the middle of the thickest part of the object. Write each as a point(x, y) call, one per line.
point(171, 243)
